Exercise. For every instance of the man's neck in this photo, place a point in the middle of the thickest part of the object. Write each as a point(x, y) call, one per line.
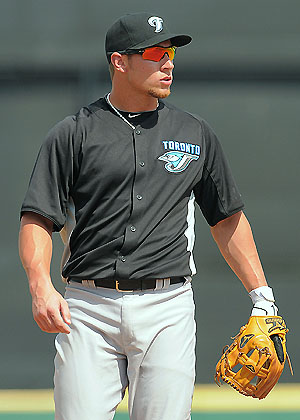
point(132, 103)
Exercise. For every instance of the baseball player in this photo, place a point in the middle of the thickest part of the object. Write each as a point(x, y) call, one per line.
point(119, 180)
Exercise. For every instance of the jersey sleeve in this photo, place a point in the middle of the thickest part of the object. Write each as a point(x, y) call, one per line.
point(52, 176)
point(216, 193)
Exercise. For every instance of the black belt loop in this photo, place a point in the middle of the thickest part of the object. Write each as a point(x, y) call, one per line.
point(125, 285)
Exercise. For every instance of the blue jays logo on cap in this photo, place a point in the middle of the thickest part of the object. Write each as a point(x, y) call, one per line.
point(156, 22)
point(179, 155)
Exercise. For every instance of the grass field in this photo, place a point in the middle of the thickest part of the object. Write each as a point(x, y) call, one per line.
point(195, 416)
point(209, 403)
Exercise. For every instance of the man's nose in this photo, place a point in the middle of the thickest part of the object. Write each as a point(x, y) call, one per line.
point(167, 62)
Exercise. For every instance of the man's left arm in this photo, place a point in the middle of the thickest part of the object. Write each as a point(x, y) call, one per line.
point(260, 348)
point(234, 238)
point(235, 241)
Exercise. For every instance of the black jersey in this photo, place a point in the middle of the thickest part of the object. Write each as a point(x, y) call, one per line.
point(130, 192)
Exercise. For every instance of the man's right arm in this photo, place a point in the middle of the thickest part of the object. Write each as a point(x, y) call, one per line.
point(49, 308)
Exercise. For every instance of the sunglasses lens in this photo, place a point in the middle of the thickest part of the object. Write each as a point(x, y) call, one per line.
point(157, 53)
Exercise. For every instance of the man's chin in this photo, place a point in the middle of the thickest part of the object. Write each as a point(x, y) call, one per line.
point(159, 93)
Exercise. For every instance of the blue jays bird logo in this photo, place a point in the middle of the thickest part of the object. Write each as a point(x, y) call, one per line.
point(177, 161)
point(156, 22)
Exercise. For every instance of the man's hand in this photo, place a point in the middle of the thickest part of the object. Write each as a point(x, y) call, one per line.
point(51, 312)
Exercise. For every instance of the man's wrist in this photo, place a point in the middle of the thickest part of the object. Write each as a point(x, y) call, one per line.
point(263, 301)
point(38, 285)
point(261, 294)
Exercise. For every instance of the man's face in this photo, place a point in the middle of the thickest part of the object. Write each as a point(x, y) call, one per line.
point(151, 78)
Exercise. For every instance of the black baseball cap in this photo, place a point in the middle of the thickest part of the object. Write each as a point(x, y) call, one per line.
point(137, 31)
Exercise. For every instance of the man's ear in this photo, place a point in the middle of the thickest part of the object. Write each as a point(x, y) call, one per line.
point(119, 61)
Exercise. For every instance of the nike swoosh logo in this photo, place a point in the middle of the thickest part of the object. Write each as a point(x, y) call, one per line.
point(133, 115)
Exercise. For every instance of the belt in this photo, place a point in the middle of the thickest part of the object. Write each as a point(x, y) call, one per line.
point(125, 285)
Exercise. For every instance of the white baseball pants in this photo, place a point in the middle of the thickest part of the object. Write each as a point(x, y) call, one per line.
point(141, 340)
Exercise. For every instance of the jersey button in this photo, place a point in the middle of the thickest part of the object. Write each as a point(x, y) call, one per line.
point(139, 197)
point(123, 259)
point(132, 228)
point(142, 163)
point(138, 132)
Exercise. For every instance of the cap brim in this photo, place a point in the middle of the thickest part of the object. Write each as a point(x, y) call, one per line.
point(177, 41)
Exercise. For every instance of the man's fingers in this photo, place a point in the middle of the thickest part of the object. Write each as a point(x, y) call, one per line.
point(52, 322)
point(65, 312)
point(46, 325)
point(58, 323)
point(43, 325)
point(51, 313)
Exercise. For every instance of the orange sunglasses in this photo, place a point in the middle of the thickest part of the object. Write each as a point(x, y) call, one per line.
point(155, 53)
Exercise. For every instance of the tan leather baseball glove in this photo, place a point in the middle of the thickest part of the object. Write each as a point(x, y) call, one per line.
point(253, 363)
